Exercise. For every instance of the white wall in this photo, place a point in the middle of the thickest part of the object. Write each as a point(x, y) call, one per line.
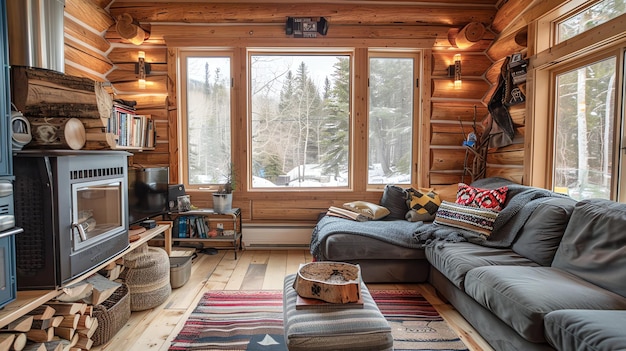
point(268, 236)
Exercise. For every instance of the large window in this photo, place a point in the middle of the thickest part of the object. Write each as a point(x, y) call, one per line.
point(577, 96)
point(589, 18)
point(206, 117)
point(300, 108)
point(391, 91)
point(584, 125)
point(295, 120)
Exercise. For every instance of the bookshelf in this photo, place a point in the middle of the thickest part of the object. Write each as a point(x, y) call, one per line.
point(216, 228)
point(124, 129)
point(129, 129)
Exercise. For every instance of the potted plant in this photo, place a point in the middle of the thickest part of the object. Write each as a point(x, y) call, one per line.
point(223, 197)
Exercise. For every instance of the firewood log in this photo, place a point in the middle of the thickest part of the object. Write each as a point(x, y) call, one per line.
point(75, 292)
point(21, 324)
point(92, 329)
point(67, 308)
point(70, 321)
point(6, 341)
point(42, 312)
point(38, 335)
point(20, 342)
point(56, 321)
point(35, 346)
point(84, 342)
point(102, 288)
point(64, 332)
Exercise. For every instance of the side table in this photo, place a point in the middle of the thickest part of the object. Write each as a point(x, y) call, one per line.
point(233, 216)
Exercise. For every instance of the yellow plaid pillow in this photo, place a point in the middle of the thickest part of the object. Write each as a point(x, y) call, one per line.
point(423, 204)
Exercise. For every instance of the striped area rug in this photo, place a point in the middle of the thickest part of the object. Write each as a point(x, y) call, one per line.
point(253, 321)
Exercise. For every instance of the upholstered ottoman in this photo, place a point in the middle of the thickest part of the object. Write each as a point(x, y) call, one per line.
point(334, 329)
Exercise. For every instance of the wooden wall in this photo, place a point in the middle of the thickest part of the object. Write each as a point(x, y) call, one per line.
point(95, 50)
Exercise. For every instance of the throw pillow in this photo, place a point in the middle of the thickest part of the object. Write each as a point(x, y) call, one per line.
point(394, 199)
point(423, 204)
point(368, 209)
point(491, 199)
point(475, 219)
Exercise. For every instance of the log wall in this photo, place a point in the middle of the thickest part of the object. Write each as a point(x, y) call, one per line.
point(91, 51)
point(97, 51)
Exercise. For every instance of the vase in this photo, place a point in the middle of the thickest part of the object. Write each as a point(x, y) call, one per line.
point(222, 203)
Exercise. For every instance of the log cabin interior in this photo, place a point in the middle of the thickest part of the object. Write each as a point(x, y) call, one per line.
point(105, 40)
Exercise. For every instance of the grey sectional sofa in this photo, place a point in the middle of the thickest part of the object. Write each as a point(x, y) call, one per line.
point(561, 284)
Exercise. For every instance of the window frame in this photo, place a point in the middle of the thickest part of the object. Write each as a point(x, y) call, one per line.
point(574, 65)
point(183, 136)
point(240, 118)
point(278, 51)
point(417, 117)
point(545, 65)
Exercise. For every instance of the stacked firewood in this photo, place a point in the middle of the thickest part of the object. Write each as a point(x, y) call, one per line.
point(65, 324)
point(57, 326)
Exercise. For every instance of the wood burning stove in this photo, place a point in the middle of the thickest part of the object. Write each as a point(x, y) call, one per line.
point(73, 208)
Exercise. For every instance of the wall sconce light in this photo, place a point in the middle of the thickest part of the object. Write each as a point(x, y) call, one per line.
point(454, 70)
point(142, 69)
point(129, 29)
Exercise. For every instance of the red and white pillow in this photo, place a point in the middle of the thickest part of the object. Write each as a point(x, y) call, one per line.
point(491, 199)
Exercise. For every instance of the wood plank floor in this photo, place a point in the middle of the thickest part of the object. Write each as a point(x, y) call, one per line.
point(253, 270)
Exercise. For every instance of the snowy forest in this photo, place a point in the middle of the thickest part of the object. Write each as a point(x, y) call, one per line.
point(300, 120)
point(585, 114)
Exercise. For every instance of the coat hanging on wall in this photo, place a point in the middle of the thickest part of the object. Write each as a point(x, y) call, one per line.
point(501, 132)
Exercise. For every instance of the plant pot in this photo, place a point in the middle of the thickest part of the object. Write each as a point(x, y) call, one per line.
point(222, 203)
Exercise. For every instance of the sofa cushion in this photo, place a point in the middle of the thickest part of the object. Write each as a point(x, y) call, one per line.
point(492, 199)
point(522, 296)
point(346, 246)
point(475, 219)
point(540, 236)
point(593, 242)
point(424, 204)
point(454, 260)
point(586, 330)
point(394, 199)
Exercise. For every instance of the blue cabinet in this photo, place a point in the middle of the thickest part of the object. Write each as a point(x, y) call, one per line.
point(8, 284)
point(5, 99)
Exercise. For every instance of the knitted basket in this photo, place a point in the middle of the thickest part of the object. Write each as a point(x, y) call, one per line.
point(148, 278)
point(111, 314)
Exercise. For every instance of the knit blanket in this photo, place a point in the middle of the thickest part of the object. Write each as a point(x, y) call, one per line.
point(397, 232)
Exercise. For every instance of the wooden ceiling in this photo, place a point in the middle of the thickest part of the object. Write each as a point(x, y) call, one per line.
point(350, 12)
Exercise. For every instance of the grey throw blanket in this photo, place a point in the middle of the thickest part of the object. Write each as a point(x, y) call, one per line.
point(397, 232)
point(521, 202)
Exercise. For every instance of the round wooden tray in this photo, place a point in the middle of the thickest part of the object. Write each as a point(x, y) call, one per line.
point(334, 282)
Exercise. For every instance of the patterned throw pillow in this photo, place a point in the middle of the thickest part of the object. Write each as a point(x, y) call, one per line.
point(491, 199)
point(466, 217)
point(423, 204)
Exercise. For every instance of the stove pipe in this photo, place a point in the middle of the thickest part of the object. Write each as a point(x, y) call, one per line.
point(36, 33)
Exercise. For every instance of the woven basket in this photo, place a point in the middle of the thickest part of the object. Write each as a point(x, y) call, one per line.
point(112, 314)
point(148, 278)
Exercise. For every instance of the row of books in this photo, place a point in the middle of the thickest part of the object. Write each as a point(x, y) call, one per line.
point(191, 227)
point(130, 129)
